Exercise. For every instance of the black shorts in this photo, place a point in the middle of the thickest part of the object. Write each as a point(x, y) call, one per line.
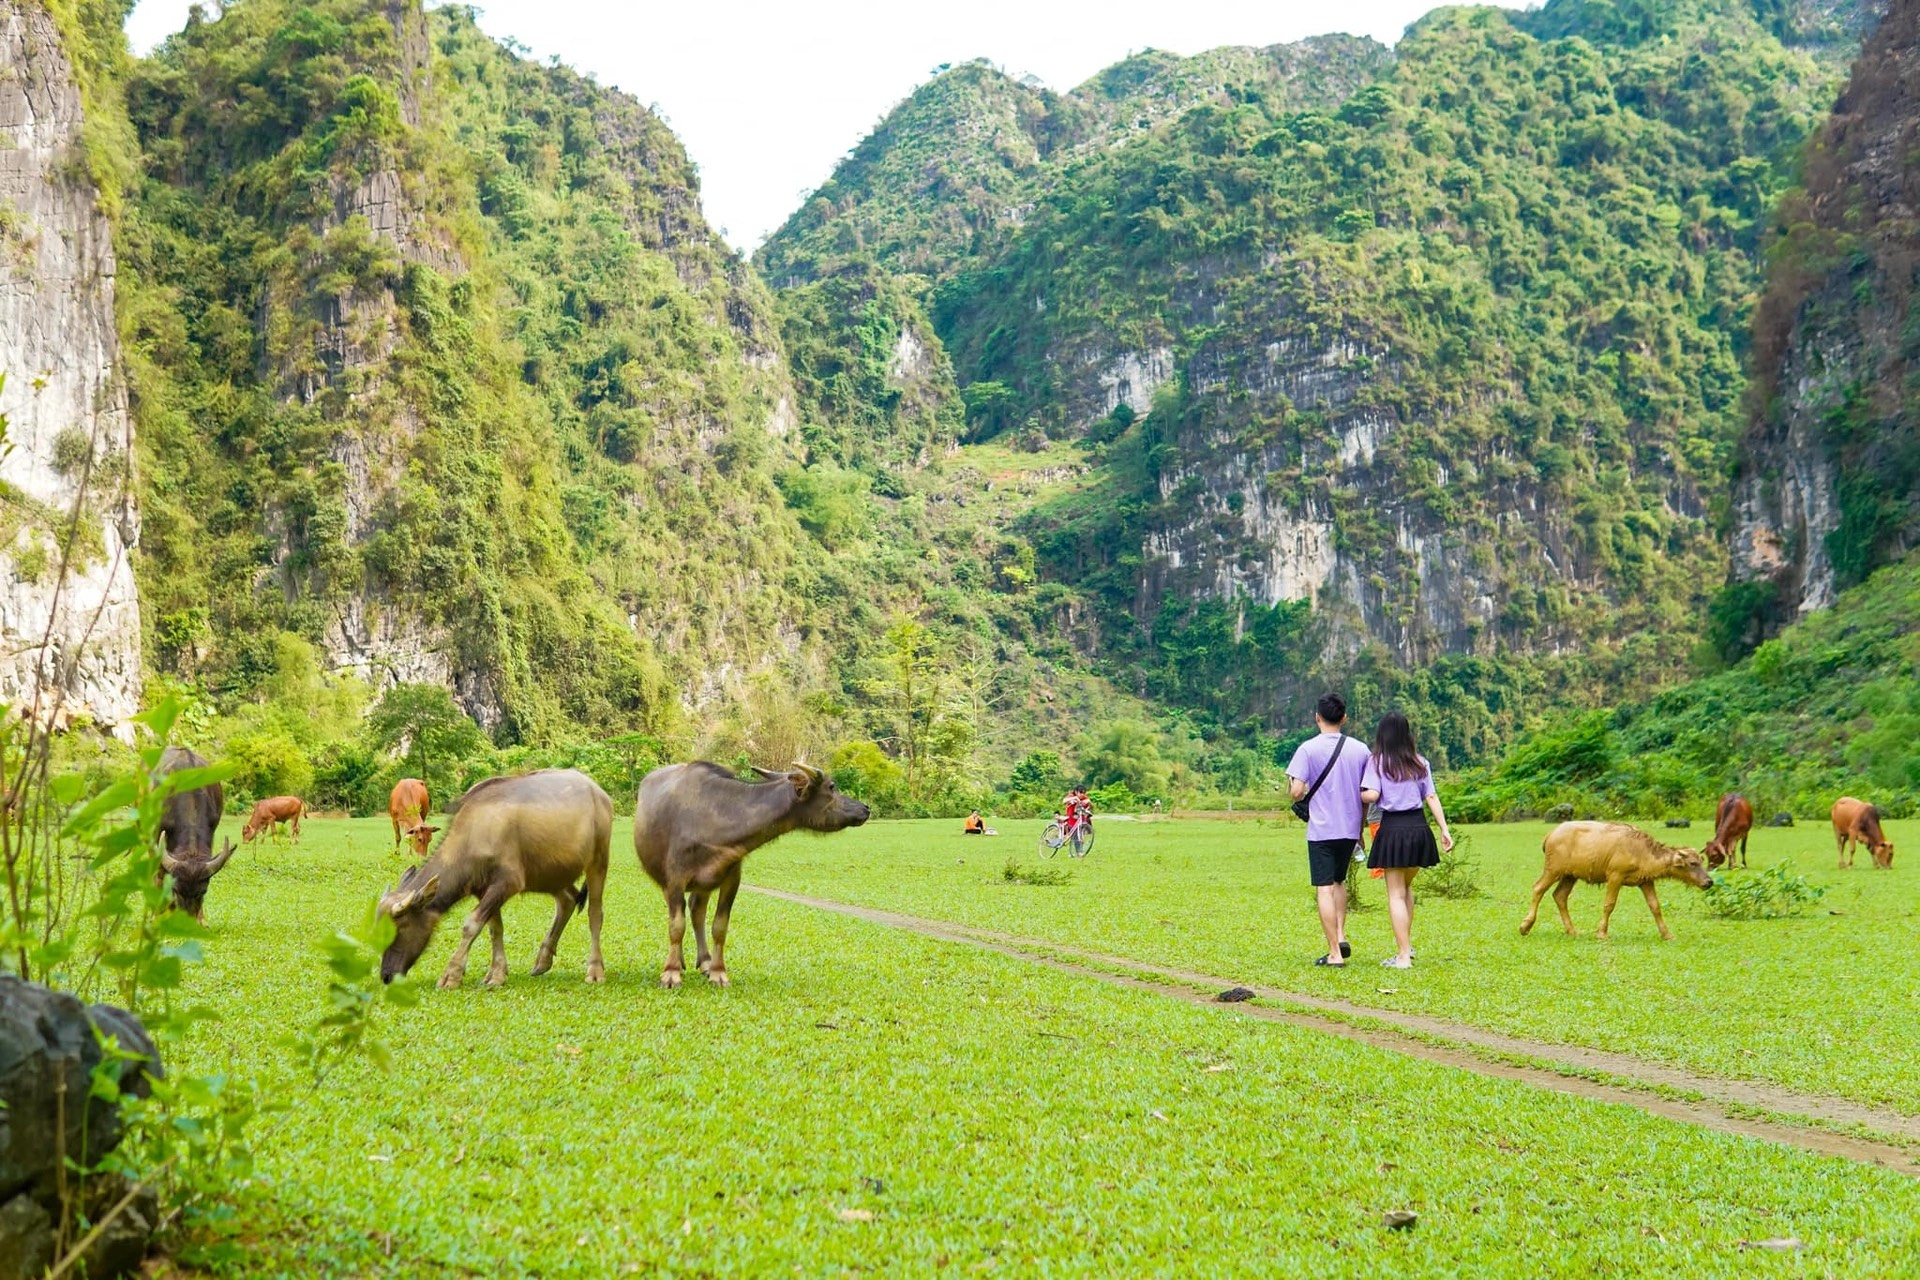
point(1327, 861)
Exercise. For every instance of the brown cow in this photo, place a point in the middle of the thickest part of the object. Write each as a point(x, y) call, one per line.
point(421, 837)
point(271, 814)
point(693, 825)
point(1857, 822)
point(1731, 822)
point(407, 806)
point(1613, 854)
point(544, 832)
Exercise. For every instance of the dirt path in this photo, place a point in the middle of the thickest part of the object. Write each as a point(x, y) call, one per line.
point(1467, 1047)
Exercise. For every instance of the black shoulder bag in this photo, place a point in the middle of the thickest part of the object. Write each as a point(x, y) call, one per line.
point(1300, 809)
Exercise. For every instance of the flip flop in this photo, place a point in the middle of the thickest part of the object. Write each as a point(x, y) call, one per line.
point(1391, 963)
point(1346, 951)
point(1325, 963)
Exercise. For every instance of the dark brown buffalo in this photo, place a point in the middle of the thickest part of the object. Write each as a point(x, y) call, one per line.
point(693, 824)
point(545, 832)
point(407, 806)
point(1613, 854)
point(1731, 823)
point(271, 815)
point(187, 824)
point(1857, 822)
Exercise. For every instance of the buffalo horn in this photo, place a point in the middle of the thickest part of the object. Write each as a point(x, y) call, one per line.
point(226, 851)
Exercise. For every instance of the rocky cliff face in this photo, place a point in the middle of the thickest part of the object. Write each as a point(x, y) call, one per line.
point(1828, 486)
point(65, 399)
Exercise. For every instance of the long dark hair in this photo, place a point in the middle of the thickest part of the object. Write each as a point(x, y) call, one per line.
point(1393, 748)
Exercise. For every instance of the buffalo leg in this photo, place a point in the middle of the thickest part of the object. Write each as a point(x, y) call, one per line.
point(497, 971)
point(722, 912)
point(1606, 908)
point(1653, 905)
point(1743, 852)
point(1840, 841)
point(1533, 911)
point(697, 908)
point(676, 930)
point(563, 905)
point(596, 907)
point(489, 906)
point(1561, 892)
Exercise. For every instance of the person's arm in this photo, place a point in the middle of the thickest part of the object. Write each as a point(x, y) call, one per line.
point(1370, 783)
point(1440, 816)
point(1297, 787)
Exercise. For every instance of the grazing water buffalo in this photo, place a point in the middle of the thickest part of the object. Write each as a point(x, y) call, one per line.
point(544, 832)
point(187, 824)
point(1613, 854)
point(693, 824)
point(1857, 822)
point(1731, 823)
point(271, 815)
point(407, 806)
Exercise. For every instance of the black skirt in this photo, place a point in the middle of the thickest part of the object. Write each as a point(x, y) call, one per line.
point(1404, 840)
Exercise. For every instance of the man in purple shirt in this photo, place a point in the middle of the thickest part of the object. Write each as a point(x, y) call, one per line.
point(1334, 817)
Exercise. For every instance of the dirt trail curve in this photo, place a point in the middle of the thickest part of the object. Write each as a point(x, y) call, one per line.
point(1468, 1047)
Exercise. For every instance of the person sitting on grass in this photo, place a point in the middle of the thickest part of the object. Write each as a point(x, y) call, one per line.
point(1399, 779)
point(976, 825)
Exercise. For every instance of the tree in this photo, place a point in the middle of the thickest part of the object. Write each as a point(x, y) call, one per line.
point(1124, 751)
point(423, 722)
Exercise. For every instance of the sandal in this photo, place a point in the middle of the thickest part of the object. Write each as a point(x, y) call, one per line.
point(1393, 962)
point(1325, 963)
point(1346, 950)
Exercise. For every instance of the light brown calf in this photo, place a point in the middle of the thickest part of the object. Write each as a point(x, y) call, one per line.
point(1613, 854)
point(271, 814)
point(407, 806)
point(1857, 822)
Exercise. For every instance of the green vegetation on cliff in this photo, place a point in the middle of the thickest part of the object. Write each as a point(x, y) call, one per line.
point(433, 355)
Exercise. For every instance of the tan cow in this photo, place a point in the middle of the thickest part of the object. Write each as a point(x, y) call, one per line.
point(271, 815)
point(407, 806)
point(1857, 822)
point(1613, 854)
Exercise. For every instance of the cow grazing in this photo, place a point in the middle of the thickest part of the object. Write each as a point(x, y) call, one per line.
point(1857, 822)
point(187, 824)
point(1731, 823)
point(421, 837)
point(407, 806)
point(1613, 854)
point(693, 824)
point(271, 815)
point(544, 832)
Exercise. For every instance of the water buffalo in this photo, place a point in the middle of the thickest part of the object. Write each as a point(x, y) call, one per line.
point(693, 824)
point(1857, 822)
point(544, 832)
point(271, 815)
point(1731, 823)
point(187, 824)
point(407, 806)
point(1613, 854)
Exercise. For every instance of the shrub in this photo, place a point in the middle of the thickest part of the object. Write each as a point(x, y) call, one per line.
point(1773, 894)
point(1457, 876)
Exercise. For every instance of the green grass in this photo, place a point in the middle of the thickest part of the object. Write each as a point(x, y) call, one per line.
point(1824, 1004)
point(987, 1114)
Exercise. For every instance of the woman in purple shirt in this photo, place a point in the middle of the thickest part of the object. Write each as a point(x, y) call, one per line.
point(1399, 779)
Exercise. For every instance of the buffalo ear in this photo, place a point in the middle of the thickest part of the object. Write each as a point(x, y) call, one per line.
point(806, 781)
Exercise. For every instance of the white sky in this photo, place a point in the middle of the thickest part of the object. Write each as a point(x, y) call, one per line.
point(768, 95)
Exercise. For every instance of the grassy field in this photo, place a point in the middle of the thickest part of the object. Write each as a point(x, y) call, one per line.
point(1825, 1004)
point(868, 1100)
